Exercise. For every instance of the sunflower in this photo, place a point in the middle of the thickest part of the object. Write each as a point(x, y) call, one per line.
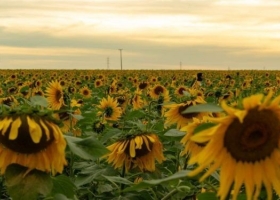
point(138, 151)
point(191, 147)
point(54, 95)
point(175, 116)
point(157, 91)
point(38, 92)
point(179, 91)
point(69, 122)
point(137, 101)
point(86, 92)
point(98, 83)
point(110, 109)
point(9, 101)
point(143, 85)
point(32, 141)
point(245, 146)
point(12, 90)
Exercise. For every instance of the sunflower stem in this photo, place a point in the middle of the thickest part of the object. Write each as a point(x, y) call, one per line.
point(172, 192)
point(154, 194)
point(122, 175)
point(149, 114)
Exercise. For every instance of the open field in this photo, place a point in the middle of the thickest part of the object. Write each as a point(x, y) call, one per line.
point(139, 134)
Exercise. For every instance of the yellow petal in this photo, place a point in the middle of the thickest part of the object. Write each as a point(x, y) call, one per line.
point(139, 141)
point(132, 152)
point(14, 129)
point(5, 125)
point(47, 131)
point(34, 130)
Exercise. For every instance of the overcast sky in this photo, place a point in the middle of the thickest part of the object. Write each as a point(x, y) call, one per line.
point(154, 34)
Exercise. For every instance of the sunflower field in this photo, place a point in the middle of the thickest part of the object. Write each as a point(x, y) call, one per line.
point(139, 134)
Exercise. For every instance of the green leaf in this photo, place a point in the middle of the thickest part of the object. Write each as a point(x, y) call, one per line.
point(105, 188)
point(25, 88)
point(87, 148)
point(202, 127)
point(174, 133)
point(26, 186)
point(135, 114)
point(241, 197)
point(39, 100)
point(78, 117)
point(63, 185)
point(60, 197)
point(208, 107)
point(93, 147)
point(117, 179)
point(146, 184)
point(207, 196)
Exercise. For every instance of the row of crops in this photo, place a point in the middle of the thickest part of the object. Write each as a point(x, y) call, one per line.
point(139, 134)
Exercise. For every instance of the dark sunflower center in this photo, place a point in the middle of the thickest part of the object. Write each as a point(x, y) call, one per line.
point(108, 112)
point(8, 101)
point(58, 95)
point(158, 90)
point(86, 92)
point(120, 101)
point(143, 86)
point(143, 151)
point(254, 139)
point(181, 91)
point(186, 115)
point(24, 143)
point(64, 116)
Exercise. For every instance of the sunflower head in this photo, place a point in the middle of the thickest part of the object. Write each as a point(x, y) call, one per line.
point(54, 95)
point(110, 109)
point(244, 144)
point(136, 151)
point(85, 92)
point(33, 141)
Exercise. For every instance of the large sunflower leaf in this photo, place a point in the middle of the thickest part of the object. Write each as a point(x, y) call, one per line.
point(27, 186)
point(86, 148)
point(148, 183)
point(63, 185)
point(39, 100)
point(174, 133)
point(203, 126)
point(117, 179)
point(207, 107)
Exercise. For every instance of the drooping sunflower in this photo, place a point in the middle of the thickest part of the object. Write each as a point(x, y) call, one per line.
point(175, 116)
point(54, 95)
point(138, 151)
point(32, 141)
point(110, 109)
point(245, 146)
point(85, 92)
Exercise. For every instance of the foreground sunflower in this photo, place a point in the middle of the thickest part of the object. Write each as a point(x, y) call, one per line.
point(245, 146)
point(54, 95)
point(110, 109)
point(136, 151)
point(32, 141)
